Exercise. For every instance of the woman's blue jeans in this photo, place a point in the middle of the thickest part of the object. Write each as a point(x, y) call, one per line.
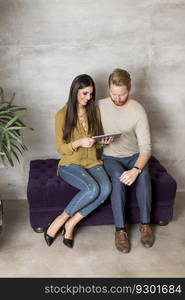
point(94, 186)
point(115, 166)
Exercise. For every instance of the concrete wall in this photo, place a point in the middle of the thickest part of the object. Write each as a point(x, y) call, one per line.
point(44, 44)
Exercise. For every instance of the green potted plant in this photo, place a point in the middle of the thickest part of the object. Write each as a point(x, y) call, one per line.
point(11, 142)
point(11, 125)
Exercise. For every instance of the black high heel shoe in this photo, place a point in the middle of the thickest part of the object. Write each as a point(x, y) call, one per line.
point(49, 239)
point(68, 242)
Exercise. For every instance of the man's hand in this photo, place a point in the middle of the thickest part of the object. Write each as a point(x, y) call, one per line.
point(107, 140)
point(128, 177)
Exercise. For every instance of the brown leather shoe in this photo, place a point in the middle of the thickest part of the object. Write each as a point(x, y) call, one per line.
point(122, 241)
point(147, 236)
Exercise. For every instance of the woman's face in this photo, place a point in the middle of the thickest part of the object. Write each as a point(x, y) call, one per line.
point(84, 95)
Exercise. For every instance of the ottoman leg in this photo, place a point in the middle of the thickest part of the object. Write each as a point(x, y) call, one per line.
point(163, 223)
point(39, 229)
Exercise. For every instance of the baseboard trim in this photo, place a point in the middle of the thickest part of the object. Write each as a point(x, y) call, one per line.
point(180, 190)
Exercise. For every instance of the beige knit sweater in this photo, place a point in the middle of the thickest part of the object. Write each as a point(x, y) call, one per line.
point(132, 121)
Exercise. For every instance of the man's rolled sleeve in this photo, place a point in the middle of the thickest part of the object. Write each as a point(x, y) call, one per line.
point(143, 132)
point(145, 148)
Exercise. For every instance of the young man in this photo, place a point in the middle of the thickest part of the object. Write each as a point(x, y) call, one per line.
point(126, 158)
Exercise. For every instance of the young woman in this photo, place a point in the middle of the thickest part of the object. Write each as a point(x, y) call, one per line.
point(75, 124)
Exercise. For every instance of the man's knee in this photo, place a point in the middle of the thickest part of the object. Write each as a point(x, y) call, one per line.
point(144, 176)
point(113, 170)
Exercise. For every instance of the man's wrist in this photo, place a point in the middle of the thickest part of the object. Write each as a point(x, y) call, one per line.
point(138, 169)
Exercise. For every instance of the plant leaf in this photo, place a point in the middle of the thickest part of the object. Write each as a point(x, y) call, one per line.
point(8, 155)
point(11, 126)
point(15, 154)
point(14, 119)
point(7, 142)
point(18, 140)
point(1, 94)
point(11, 100)
point(13, 145)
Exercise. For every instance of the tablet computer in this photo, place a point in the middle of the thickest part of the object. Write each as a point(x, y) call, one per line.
point(98, 138)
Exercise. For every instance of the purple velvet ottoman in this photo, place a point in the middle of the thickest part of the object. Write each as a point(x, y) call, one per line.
point(48, 195)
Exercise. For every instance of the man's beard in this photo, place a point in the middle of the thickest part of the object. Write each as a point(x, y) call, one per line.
point(119, 103)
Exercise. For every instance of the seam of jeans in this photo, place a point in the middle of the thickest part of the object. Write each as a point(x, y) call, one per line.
point(74, 177)
point(75, 204)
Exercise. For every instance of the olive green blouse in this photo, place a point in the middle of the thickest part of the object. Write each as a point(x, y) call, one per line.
point(86, 157)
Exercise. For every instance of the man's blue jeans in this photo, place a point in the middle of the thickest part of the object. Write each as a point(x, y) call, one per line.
point(115, 166)
point(94, 186)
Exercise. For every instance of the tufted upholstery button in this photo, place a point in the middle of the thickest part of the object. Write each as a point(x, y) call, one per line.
point(48, 195)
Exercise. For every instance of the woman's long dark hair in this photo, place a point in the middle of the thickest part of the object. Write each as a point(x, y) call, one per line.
point(94, 125)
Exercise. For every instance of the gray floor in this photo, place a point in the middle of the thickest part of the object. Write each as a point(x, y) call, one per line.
point(23, 253)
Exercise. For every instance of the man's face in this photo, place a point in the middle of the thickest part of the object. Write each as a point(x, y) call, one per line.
point(119, 94)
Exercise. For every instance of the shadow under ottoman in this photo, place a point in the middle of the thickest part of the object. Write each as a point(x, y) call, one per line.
point(48, 195)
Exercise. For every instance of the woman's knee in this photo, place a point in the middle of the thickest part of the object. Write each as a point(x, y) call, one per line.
point(106, 189)
point(93, 190)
